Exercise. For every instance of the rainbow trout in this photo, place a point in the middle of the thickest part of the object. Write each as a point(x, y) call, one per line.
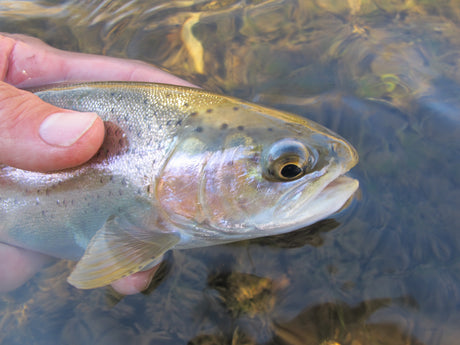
point(179, 168)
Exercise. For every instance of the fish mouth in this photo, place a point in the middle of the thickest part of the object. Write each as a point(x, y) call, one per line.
point(341, 189)
point(328, 201)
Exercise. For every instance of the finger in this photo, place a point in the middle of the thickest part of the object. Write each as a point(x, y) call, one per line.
point(30, 62)
point(35, 135)
point(135, 283)
point(26, 61)
point(17, 266)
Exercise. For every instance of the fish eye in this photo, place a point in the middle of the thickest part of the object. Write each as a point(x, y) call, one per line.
point(290, 171)
point(286, 160)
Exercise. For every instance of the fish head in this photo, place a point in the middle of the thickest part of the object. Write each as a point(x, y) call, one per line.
point(245, 171)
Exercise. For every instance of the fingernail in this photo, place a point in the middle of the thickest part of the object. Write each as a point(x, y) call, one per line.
point(64, 129)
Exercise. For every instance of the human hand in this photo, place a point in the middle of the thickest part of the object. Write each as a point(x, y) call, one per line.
point(34, 137)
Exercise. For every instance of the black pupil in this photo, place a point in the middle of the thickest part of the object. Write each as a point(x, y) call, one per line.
point(290, 171)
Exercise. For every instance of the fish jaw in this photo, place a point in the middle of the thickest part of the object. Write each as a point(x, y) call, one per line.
point(327, 202)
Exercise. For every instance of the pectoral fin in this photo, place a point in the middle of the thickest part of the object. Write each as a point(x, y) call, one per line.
point(117, 250)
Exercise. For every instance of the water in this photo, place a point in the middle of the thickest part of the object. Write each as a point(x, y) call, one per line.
point(384, 74)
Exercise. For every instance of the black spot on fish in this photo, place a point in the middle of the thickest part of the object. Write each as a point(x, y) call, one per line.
point(178, 123)
point(256, 158)
point(236, 108)
point(199, 129)
point(112, 94)
point(240, 128)
point(194, 113)
point(146, 101)
point(270, 129)
point(112, 110)
point(209, 110)
point(120, 192)
point(168, 95)
point(186, 105)
point(168, 122)
point(102, 180)
point(224, 126)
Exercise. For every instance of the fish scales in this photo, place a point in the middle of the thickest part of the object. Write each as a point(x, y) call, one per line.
point(119, 170)
point(178, 168)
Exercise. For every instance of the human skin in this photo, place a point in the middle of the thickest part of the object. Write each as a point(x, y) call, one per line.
point(33, 136)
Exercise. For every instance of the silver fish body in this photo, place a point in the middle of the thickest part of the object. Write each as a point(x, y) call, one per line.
point(179, 168)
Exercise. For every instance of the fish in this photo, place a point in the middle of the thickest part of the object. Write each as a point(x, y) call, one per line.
point(179, 168)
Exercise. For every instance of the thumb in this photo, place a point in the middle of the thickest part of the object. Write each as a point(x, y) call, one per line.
point(38, 136)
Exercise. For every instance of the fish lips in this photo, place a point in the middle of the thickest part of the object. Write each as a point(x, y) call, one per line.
point(327, 201)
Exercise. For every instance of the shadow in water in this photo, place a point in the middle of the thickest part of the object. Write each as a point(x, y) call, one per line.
point(243, 308)
point(310, 235)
